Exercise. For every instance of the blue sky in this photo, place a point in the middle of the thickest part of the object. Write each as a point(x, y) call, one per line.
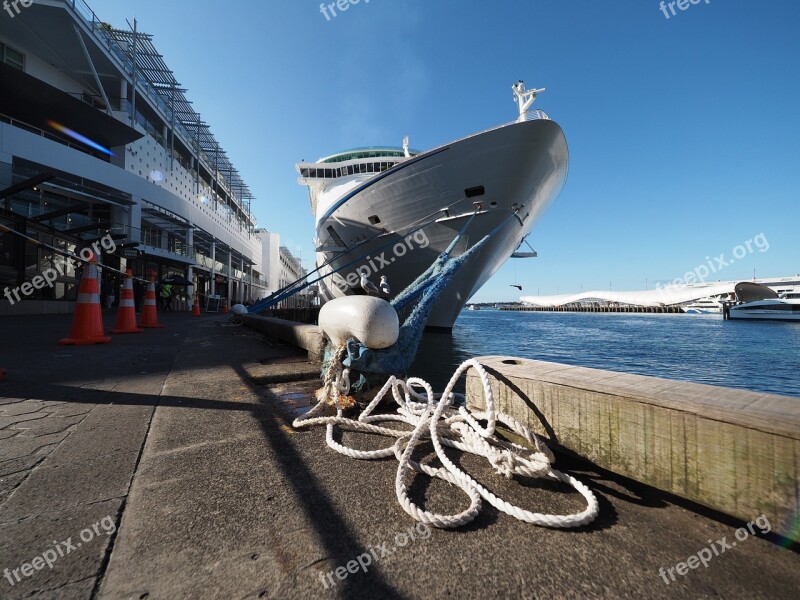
point(684, 133)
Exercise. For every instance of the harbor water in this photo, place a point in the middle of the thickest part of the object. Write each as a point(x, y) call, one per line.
point(762, 356)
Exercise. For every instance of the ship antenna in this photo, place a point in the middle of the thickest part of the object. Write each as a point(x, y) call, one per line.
point(405, 147)
point(524, 98)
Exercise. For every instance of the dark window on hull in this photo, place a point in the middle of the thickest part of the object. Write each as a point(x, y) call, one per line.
point(472, 192)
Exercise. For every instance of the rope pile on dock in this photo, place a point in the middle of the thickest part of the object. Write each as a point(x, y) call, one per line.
point(439, 418)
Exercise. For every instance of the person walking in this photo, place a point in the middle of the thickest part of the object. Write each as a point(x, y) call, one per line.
point(166, 297)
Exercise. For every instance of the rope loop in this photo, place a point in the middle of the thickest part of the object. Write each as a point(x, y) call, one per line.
point(435, 417)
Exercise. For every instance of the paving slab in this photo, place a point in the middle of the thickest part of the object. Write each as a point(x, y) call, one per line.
point(212, 494)
point(231, 502)
point(72, 426)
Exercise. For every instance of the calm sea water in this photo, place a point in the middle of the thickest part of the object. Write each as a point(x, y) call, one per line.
point(759, 356)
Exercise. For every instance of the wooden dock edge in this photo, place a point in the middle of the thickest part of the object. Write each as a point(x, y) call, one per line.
point(301, 335)
point(731, 450)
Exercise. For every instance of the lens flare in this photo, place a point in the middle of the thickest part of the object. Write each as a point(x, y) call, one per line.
point(81, 138)
point(792, 530)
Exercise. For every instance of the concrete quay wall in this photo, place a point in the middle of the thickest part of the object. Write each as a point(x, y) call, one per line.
point(732, 450)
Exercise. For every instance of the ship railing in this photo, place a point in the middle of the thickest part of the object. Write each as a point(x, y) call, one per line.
point(536, 115)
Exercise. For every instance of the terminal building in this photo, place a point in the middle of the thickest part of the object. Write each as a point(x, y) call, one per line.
point(98, 138)
point(679, 296)
point(283, 268)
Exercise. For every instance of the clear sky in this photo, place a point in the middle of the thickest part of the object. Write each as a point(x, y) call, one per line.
point(684, 132)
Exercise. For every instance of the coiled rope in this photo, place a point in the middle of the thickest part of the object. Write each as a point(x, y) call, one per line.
point(436, 417)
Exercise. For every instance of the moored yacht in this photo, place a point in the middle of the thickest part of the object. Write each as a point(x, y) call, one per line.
point(704, 306)
point(777, 309)
point(762, 303)
point(391, 211)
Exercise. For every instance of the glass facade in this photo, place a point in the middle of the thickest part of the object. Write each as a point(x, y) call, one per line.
point(332, 173)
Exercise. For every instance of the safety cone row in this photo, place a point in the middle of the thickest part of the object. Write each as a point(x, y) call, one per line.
point(149, 312)
point(126, 315)
point(196, 307)
point(87, 323)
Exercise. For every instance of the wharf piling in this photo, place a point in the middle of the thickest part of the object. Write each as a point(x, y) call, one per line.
point(597, 309)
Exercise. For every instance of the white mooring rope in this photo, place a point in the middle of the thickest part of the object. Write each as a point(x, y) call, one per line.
point(447, 425)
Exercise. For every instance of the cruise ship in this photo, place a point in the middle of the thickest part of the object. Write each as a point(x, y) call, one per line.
point(388, 211)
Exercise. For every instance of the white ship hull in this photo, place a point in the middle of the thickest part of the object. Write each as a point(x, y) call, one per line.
point(768, 310)
point(522, 164)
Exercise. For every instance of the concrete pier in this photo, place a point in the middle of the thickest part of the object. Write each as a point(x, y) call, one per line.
point(297, 334)
point(731, 450)
point(597, 309)
point(177, 444)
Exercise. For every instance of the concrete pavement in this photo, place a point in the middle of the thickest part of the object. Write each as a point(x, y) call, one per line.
point(180, 441)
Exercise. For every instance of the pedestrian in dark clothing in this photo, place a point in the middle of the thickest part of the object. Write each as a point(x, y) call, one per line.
point(138, 294)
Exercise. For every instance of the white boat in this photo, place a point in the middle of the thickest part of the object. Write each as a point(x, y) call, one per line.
point(704, 306)
point(474, 307)
point(392, 211)
point(766, 305)
point(776, 309)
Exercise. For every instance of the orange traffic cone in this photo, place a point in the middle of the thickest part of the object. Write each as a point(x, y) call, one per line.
point(196, 307)
point(225, 307)
point(2, 374)
point(149, 313)
point(126, 315)
point(87, 324)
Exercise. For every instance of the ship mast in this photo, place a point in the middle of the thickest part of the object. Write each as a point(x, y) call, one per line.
point(524, 98)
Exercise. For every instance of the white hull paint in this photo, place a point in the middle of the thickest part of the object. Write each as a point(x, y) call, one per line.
point(767, 310)
point(765, 315)
point(521, 164)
